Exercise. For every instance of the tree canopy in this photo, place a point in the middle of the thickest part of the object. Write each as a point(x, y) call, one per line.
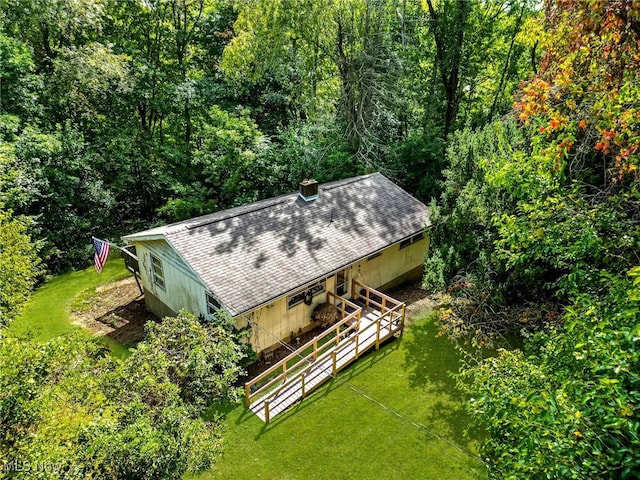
point(546, 202)
point(69, 405)
point(518, 120)
point(134, 113)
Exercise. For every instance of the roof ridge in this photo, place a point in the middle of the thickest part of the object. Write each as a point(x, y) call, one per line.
point(245, 209)
point(266, 203)
point(273, 201)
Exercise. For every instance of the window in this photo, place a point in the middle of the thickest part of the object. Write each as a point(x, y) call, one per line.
point(405, 243)
point(413, 239)
point(417, 237)
point(212, 304)
point(296, 298)
point(375, 255)
point(341, 282)
point(158, 272)
point(306, 294)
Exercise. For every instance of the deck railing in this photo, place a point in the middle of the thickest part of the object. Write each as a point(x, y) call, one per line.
point(388, 306)
point(372, 297)
point(309, 352)
point(337, 351)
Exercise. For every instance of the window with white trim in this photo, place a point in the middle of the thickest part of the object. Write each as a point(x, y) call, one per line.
point(157, 271)
point(306, 294)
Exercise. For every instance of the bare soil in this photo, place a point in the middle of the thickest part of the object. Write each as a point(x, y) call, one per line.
point(414, 296)
point(117, 311)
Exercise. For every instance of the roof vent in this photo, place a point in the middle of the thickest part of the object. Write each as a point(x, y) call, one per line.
point(308, 190)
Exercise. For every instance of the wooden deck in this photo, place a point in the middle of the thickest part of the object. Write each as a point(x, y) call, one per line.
point(364, 325)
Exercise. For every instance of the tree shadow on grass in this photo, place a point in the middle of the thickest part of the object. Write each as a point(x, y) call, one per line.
point(430, 362)
point(366, 361)
point(220, 410)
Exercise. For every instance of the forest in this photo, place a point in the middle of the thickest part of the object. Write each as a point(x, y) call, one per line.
point(517, 121)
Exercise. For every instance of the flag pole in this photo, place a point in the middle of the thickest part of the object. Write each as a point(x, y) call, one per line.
point(116, 246)
point(124, 250)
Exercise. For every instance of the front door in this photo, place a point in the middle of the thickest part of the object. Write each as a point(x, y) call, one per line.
point(341, 283)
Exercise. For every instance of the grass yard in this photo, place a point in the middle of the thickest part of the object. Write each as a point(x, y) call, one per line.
point(393, 415)
point(46, 313)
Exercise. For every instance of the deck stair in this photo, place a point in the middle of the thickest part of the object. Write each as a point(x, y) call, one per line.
point(366, 321)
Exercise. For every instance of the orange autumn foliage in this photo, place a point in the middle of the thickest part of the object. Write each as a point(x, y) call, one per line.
point(588, 86)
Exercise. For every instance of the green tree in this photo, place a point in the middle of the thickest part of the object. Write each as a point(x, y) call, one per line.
point(569, 407)
point(201, 360)
point(69, 404)
point(19, 265)
point(48, 26)
point(49, 177)
point(322, 41)
point(566, 236)
point(19, 94)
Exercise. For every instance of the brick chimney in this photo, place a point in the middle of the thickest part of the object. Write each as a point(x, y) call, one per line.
point(308, 190)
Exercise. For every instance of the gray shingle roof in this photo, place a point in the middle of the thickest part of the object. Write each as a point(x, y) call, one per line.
point(252, 254)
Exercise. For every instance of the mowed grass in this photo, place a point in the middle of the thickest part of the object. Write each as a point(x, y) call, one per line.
point(394, 414)
point(46, 314)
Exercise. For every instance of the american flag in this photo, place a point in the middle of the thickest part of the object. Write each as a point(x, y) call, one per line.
point(101, 249)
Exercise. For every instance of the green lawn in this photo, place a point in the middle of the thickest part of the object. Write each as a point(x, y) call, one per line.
point(46, 313)
point(393, 415)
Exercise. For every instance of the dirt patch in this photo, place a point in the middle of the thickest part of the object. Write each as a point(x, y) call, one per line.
point(414, 296)
point(115, 310)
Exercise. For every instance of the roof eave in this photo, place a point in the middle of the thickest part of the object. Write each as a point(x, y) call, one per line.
point(325, 275)
point(138, 237)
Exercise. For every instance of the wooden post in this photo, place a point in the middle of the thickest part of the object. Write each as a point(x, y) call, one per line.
point(284, 372)
point(384, 304)
point(357, 345)
point(402, 321)
point(378, 334)
point(247, 394)
point(335, 372)
point(266, 411)
point(302, 380)
point(315, 348)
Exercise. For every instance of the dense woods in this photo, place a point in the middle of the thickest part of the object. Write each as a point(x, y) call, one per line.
point(117, 115)
point(538, 226)
point(518, 121)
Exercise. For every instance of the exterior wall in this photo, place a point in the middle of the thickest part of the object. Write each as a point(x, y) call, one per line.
point(183, 289)
point(277, 321)
point(394, 266)
point(391, 268)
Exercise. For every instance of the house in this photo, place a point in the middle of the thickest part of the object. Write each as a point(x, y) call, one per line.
point(269, 263)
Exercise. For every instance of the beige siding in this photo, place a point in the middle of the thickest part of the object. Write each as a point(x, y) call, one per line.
point(393, 263)
point(276, 322)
